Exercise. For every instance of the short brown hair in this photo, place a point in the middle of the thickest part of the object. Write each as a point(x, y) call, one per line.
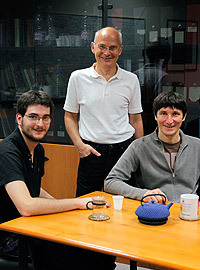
point(33, 97)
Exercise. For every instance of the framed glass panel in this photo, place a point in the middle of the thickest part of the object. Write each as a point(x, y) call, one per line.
point(42, 42)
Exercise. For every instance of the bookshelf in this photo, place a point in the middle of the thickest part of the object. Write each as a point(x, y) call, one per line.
point(38, 50)
point(40, 47)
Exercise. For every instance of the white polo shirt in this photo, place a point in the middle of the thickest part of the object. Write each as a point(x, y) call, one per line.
point(103, 105)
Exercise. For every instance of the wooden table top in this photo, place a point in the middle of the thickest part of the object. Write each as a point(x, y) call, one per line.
point(175, 244)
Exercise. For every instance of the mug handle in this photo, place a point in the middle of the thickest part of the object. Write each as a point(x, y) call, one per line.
point(88, 206)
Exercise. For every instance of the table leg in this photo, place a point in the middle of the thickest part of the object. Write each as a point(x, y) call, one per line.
point(23, 253)
point(133, 265)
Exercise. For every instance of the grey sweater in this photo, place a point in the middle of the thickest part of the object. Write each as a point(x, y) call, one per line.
point(145, 157)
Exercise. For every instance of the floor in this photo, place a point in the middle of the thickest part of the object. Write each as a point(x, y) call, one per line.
point(122, 266)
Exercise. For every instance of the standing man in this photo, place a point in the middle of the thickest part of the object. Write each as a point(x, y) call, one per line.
point(165, 162)
point(21, 169)
point(102, 111)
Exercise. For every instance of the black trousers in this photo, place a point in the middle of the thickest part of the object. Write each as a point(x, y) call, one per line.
point(54, 256)
point(46, 255)
point(93, 170)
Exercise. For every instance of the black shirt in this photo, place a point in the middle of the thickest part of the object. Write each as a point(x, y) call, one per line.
point(16, 164)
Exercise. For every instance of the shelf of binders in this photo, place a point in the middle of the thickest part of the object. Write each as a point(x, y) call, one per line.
point(16, 32)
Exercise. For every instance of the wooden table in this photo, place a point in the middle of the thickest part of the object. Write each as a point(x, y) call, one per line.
point(174, 245)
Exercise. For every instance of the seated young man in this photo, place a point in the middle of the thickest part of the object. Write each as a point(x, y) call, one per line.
point(21, 169)
point(164, 162)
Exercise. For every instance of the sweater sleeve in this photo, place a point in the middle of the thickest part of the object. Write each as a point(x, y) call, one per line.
point(116, 181)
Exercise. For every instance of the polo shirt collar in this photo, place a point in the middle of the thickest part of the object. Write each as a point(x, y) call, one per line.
point(95, 75)
point(19, 140)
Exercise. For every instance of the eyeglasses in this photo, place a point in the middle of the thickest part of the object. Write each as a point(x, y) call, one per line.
point(36, 118)
point(104, 48)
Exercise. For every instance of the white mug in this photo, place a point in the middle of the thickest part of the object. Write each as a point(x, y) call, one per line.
point(189, 206)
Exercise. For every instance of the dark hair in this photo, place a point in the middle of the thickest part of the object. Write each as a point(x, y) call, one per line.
point(159, 50)
point(33, 97)
point(170, 99)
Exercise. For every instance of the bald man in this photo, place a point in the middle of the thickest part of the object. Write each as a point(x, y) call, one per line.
point(102, 111)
